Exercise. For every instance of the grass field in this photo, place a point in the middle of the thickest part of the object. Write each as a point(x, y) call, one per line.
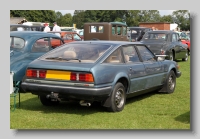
point(149, 111)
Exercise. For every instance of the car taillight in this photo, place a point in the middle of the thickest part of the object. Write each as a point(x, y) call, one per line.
point(162, 52)
point(178, 66)
point(73, 76)
point(36, 73)
point(84, 77)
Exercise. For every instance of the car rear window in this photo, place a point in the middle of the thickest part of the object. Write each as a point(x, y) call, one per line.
point(155, 36)
point(84, 53)
point(16, 42)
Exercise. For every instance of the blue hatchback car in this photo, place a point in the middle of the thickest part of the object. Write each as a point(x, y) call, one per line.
point(104, 71)
point(26, 46)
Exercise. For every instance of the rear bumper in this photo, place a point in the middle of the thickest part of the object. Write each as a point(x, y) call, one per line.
point(68, 92)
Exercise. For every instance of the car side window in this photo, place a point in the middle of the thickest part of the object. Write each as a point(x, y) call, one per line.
point(130, 54)
point(16, 42)
point(41, 45)
point(67, 37)
point(174, 39)
point(124, 31)
point(115, 57)
point(145, 54)
point(113, 29)
point(76, 37)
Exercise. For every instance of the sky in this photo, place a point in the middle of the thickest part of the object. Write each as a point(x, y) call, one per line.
point(162, 12)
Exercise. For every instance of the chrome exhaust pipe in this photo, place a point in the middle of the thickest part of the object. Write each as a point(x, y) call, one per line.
point(83, 103)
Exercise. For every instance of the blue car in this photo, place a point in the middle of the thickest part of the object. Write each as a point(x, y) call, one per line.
point(26, 46)
point(99, 71)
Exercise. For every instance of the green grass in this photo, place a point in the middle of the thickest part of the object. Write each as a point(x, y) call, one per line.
point(149, 111)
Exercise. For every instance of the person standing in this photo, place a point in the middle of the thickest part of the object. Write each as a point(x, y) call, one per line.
point(47, 28)
point(56, 28)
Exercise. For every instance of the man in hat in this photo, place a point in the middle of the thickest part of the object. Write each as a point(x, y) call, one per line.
point(56, 28)
point(47, 28)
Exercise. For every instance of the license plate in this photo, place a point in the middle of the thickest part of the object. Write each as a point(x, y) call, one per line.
point(61, 75)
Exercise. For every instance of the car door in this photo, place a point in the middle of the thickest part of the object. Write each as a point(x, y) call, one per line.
point(177, 45)
point(135, 68)
point(153, 70)
point(182, 49)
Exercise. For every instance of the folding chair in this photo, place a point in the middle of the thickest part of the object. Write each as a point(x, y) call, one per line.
point(14, 91)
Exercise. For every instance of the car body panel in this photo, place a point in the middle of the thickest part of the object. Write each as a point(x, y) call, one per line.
point(105, 70)
point(136, 33)
point(113, 31)
point(168, 42)
point(20, 58)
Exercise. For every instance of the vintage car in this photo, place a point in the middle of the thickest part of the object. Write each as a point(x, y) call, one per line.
point(166, 42)
point(136, 33)
point(68, 36)
point(99, 71)
point(113, 31)
point(186, 41)
point(25, 46)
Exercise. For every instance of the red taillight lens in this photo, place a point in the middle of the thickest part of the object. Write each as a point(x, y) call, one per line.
point(84, 77)
point(42, 73)
point(36, 73)
point(31, 73)
point(73, 76)
point(162, 52)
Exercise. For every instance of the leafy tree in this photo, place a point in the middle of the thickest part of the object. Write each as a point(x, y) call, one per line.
point(78, 18)
point(34, 15)
point(182, 18)
point(149, 16)
point(167, 18)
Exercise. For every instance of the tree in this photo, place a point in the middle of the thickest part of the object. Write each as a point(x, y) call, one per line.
point(167, 18)
point(34, 15)
point(182, 18)
point(78, 18)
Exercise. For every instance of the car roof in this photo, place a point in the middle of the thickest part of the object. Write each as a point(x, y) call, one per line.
point(25, 34)
point(106, 42)
point(138, 28)
point(162, 31)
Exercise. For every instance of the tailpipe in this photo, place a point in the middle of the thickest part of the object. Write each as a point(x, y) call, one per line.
point(84, 103)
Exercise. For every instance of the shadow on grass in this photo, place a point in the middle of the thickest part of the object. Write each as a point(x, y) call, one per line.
point(184, 118)
point(70, 107)
point(143, 96)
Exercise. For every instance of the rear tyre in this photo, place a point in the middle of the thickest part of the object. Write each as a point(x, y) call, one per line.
point(171, 82)
point(171, 56)
point(47, 101)
point(186, 56)
point(118, 98)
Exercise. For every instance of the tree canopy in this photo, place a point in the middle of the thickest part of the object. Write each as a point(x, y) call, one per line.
point(131, 17)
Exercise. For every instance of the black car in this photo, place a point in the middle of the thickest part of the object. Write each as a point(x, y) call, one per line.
point(166, 42)
point(136, 33)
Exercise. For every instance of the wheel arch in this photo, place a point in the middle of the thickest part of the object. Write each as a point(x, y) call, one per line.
point(122, 78)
